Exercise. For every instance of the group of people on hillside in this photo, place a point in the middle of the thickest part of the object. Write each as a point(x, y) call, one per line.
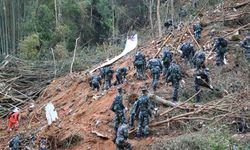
point(171, 71)
point(142, 107)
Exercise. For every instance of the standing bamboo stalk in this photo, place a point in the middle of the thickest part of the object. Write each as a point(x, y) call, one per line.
point(150, 7)
point(13, 25)
point(71, 67)
point(55, 3)
point(6, 29)
point(159, 17)
point(172, 11)
point(54, 61)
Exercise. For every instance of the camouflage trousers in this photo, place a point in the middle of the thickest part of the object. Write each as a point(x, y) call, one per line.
point(156, 77)
point(165, 69)
point(121, 144)
point(197, 88)
point(220, 59)
point(143, 124)
point(176, 85)
point(131, 119)
point(107, 83)
point(140, 72)
point(119, 119)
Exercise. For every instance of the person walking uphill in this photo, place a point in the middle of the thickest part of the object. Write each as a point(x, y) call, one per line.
point(188, 51)
point(220, 47)
point(118, 108)
point(107, 72)
point(140, 65)
point(199, 59)
point(144, 113)
point(155, 67)
point(13, 119)
point(167, 58)
point(174, 75)
point(197, 31)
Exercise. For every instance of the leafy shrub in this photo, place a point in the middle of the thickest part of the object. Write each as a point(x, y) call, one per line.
point(29, 47)
point(60, 51)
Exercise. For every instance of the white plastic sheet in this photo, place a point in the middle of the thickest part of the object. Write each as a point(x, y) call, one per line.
point(130, 45)
point(51, 113)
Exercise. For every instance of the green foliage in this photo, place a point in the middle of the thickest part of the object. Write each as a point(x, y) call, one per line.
point(208, 139)
point(29, 47)
point(44, 22)
point(60, 51)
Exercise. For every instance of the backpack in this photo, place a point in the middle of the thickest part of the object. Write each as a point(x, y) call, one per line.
point(143, 103)
point(175, 71)
point(117, 104)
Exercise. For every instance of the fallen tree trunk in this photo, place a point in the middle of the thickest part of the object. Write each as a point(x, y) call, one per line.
point(240, 5)
point(161, 100)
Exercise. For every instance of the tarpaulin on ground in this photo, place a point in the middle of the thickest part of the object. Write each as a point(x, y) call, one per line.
point(130, 45)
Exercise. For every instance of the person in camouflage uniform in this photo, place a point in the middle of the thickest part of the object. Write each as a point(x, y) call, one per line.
point(246, 45)
point(118, 108)
point(166, 59)
point(174, 75)
point(140, 65)
point(168, 24)
point(121, 75)
point(133, 113)
point(15, 143)
point(197, 31)
point(122, 138)
point(188, 51)
point(155, 67)
point(144, 113)
point(95, 82)
point(201, 72)
point(220, 46)
point(107, 72)
point(201, 76)
point(199, 59)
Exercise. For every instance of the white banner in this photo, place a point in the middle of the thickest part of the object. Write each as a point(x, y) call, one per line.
point(130, 45)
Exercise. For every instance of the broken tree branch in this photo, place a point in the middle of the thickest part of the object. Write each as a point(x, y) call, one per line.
point(180, 103)
point(194, 38)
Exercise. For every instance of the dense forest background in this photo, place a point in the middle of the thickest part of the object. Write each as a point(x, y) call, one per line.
point(31, 29)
